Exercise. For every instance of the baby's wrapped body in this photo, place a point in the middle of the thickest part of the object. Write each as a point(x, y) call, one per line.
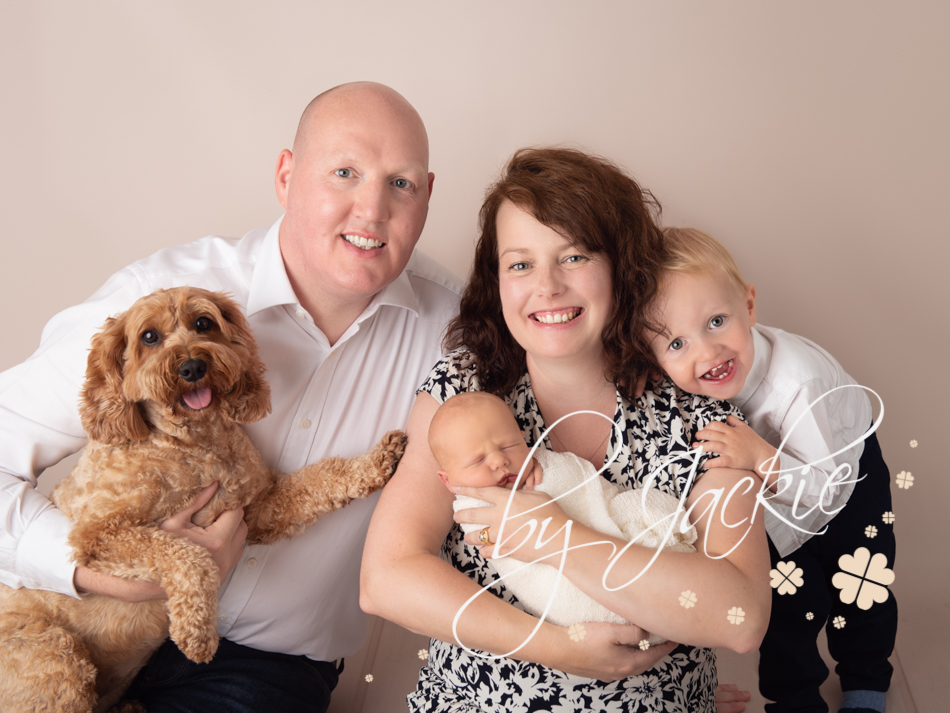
point(648, 517)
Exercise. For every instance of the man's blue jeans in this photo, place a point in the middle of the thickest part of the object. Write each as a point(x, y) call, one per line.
point(238, 680)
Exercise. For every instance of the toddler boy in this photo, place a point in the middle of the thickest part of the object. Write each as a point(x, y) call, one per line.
point(794, 395)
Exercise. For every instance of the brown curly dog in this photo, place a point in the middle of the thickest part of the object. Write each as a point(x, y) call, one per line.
point(167, 385)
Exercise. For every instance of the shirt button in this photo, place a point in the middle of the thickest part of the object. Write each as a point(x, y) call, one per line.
point(252, 563)
point(301, 314)
point(222, 618)
point(305, 423)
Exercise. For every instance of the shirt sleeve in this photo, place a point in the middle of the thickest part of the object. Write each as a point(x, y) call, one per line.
point(809, 461)
point(453, 374)
point(39, 426)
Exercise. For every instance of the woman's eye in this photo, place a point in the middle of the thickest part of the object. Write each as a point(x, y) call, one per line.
point(203, 324)
point(717, 321)
point(401, 183)
point(150, 337)
point(676, 345)
point(519, 266)
point(344, 173)
point(575, 258)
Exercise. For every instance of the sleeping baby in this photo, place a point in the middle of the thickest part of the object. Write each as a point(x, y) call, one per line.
point(477, 443)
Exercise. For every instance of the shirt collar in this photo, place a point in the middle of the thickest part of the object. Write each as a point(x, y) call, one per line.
point(397, 293)
point(760, 367)
point(270, 286)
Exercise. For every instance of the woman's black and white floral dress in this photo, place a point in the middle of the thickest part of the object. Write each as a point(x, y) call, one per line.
point(454, 681)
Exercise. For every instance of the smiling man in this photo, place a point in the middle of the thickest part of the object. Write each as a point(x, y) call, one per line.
point(348, 318)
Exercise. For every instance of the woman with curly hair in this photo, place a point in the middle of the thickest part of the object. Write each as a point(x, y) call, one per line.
point(564, 268)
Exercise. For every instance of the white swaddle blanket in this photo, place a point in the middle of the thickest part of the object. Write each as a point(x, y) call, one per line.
point(601, 505)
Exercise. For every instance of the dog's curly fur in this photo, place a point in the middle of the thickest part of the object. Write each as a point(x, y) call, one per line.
point(149, 454)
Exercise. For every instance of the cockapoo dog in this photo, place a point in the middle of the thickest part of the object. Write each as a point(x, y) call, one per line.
point(167, 385)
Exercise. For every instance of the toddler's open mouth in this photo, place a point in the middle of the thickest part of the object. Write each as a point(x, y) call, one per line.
point(718, 373)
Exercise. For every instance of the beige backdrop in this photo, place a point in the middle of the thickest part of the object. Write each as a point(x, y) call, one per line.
point(810, 136)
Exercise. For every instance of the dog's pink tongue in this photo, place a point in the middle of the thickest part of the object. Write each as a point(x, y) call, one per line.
point(198, 399)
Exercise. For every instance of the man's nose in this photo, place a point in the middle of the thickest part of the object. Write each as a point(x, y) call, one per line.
point(372, 201)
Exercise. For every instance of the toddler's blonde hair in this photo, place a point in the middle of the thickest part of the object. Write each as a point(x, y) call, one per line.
point(691, 251)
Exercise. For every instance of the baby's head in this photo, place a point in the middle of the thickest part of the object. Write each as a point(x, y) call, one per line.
point(706, 312)
point(477, 442)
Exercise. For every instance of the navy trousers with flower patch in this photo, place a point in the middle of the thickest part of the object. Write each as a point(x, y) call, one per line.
point(790, 666)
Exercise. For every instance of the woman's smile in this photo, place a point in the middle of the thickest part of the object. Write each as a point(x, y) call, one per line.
point(555, 296)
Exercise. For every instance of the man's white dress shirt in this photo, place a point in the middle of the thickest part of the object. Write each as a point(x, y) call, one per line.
point(299, 596)
point(788, 374)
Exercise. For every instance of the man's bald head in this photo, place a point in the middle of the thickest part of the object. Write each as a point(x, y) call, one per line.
point(363, 97)
point(355, 192)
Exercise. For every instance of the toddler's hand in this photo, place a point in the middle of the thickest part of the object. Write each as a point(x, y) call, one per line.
point(729, 699)
point(738, 446)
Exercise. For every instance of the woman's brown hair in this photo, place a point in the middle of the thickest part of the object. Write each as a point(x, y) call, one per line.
point(600, 209)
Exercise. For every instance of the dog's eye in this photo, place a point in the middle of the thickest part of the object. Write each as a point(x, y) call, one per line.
point(150, 337)
point(203, 324)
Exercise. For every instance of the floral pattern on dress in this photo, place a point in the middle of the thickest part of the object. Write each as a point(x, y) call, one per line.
point(656, 434)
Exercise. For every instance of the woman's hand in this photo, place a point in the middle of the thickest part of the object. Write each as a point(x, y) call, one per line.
point(609, 652)
point(520, 538)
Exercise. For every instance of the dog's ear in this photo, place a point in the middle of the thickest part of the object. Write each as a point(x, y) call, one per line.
point(249, 400)
point(107, 415)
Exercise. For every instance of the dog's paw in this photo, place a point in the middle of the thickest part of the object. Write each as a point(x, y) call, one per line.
point(389, 452)
point(378, 466)
point(200, 649)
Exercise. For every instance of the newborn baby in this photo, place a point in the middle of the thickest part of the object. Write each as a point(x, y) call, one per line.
point(477, 443)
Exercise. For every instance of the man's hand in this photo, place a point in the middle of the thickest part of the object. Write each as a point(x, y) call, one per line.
point(609, 652)
point(224, 539)
point(738, 446)
point(729, 699)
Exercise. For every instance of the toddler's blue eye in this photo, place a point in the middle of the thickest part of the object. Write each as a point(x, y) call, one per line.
point(344, 172)
point(401, 183)
point(676, 344)
point(717, 321)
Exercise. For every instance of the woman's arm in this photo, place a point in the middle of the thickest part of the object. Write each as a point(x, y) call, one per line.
point(728, 572)
point(404, 580)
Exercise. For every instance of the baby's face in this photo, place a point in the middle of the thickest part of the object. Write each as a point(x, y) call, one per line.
point(709, 322)
point(484, 448)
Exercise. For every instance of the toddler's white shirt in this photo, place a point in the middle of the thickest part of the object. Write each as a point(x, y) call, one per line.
point(788, 374)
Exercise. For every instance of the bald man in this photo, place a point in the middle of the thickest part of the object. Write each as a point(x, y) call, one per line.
point(348, 318)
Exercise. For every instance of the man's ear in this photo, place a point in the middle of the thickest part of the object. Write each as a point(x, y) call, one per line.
point(444, 477)
point(431, 181)
point(750, 303)
point(282, 175)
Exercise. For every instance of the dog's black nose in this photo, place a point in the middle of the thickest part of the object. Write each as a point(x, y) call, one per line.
point(193, 370)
